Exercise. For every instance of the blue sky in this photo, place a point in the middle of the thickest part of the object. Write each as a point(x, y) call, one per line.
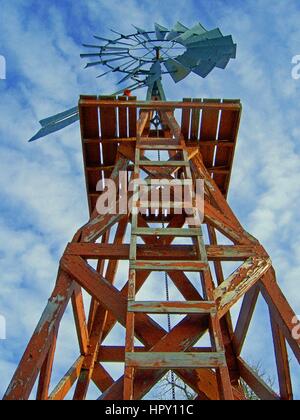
point(42, 190)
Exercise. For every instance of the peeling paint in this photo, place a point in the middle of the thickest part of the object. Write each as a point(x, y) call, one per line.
point(49, 313)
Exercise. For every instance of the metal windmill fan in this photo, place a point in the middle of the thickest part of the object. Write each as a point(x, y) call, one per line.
point(144, 57)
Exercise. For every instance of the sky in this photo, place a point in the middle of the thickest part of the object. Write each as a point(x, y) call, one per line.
point(42, 188)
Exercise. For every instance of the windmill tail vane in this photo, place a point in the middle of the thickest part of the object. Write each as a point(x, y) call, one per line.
point(144, 57)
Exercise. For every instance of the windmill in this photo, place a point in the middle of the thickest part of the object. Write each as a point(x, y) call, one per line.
point(139, 57)
point(166, 249)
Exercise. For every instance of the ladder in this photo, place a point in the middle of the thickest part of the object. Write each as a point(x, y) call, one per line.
point(213, 359)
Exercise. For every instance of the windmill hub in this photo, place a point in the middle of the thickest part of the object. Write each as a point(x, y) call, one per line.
point(150, 50)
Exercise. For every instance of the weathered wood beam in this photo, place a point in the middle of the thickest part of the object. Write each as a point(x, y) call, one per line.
point(167, 252)
point(108, 141)
point(66, 383)
point(116, 354)
point(218, 198)
point(172, 307)
point(256, 383)
point(142, 122)
point(45, 373)
point(159, 105)
point(162, 141)
point(182, 337)
point(178, 360)
point(110, 298)
point(101, 378)
point(96, 285)
point(99, 224)
point(221, 170)
point(226, 226)
point(80, 319)
point(281, 310)
point(282, 361)
point(226, 321)
point(98, 324)
point(236, 285)
point(41, 341)
point(244, 319)
point(188, 266)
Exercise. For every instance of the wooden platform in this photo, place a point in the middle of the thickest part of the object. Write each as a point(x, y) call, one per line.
point(106, 122)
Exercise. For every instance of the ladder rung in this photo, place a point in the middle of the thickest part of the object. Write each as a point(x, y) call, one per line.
point(168, 163)
point(178, 232)
point(164, 205)
point(151, 360)
point(173, 183)
point(146, 139)
point(160, 147)
point(172, 307)
point(188, 266)
point(160, 218)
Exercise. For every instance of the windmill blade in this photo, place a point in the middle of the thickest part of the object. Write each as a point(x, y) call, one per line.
point(95, 63)
point(103, 39)
point(108, 48)
point(178, 29)
point(189, 59)
point(216, 42)
point(103, 74)
point(128, 76)
point(215, 33)
point(133, 87)
point(204, 68)
point(195, 30)
point(142, 32)
point(127, 65)
point(234, 51)
point(223, 62)
point(90, 55)
point(113, 41)
point(104, 62)
point(52, 128)
point(176, 70)
point(110, 60)
point(160, 31)
point(92, 46)
point(131, 73)
point(102, 54)
point(154, 74)
point(120, 53)
point(119, 33)
point(192, 58)
point(205, 53)
point(205, 50)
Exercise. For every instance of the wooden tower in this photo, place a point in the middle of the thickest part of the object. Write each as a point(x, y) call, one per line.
point(117, 134)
